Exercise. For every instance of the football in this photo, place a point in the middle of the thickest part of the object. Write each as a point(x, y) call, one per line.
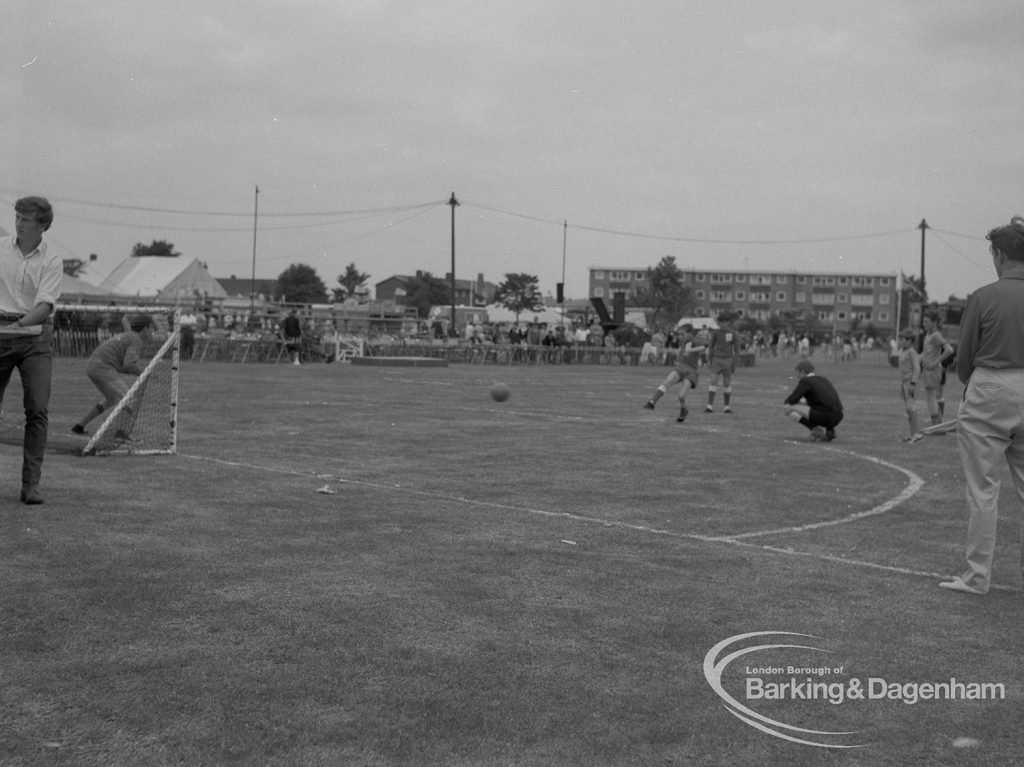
point(500, 392)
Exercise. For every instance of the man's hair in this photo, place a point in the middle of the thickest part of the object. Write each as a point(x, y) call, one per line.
point(39, 207)
point(140, 322)
point(932, 315)
point(1009, 239)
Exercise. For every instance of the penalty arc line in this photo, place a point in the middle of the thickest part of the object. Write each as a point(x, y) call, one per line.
point(915, 484)
point(729, 541)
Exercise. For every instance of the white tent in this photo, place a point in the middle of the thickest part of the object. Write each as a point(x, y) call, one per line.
point(166, 278)
point(76, 286)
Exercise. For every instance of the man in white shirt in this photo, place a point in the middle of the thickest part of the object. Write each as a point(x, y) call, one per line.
point(30, 282)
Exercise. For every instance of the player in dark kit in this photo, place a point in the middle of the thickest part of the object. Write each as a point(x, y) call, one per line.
point(823, 411)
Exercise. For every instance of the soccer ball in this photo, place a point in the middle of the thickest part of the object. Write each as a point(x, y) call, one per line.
point(500, 392)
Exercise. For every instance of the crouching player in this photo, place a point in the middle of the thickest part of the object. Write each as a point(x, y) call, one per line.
point(109, 363)
point(685, 372)
point(815, 403)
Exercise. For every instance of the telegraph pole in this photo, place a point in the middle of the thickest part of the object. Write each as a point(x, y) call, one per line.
point(454, 204)
point(255, 219)
point(923, 226)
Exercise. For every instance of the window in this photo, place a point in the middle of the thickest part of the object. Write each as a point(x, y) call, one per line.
point(883, 299)
point(742, 278)
point(639, 275)
point(863, 300)
point(599, 274)
point(781, 279)
point(618, 275)
point(720, 278)
point(823, 298)
point(801, 279)
point(780, 296)
point(841, 315)
point(843, 280)
point(700, 295)
point(801, 297)
point(700, 278)
point(825, 315)
point(883, 316)
point(742, 296)
point(884, 281)
point(761, 296)
point(721, 296)
point(843, 298)
point(598, 292)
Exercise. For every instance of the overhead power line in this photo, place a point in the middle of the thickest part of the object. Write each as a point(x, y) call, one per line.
point(708, 241)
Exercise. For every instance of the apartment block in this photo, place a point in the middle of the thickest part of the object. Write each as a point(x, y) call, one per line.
point(834, 299)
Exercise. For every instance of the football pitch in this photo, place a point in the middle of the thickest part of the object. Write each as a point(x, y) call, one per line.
point(381, 565)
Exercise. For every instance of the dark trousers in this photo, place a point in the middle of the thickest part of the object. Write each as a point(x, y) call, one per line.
point(33, 358)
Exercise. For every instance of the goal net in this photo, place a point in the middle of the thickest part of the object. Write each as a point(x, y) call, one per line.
point(142, 422)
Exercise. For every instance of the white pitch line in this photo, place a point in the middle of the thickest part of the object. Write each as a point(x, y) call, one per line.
point(915, 484)
point(729, 541)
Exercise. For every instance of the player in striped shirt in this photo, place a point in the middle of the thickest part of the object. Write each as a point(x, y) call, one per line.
point(685, 372)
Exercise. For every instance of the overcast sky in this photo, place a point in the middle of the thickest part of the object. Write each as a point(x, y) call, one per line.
point(723, 133)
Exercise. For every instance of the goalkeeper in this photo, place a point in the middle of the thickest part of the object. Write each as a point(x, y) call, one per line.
point(112, 360)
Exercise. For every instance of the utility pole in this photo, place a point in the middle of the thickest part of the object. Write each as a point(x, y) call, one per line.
point(923, 226)
point(560, 288)
point(255, 219)
point(454, 204)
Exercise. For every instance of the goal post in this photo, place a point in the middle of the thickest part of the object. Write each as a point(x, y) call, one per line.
point(142, 422)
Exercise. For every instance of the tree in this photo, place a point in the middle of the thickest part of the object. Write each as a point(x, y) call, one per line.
point(351, 280)
point(155, 248)
point(300, 284)
point(520, 293)
point(424, 291)
point(911, 294)
point(668, 295)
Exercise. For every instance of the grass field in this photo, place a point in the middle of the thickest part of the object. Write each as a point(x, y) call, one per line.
point(370, 566)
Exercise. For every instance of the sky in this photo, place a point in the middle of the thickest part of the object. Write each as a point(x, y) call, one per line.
point(787, 135)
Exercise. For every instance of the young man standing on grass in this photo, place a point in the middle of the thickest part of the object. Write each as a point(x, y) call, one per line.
point(990, 424)
point(292, 330)
point(934, 353)
point(723, 353)
point(30, 282)
point(814, 403)
point(910, 372)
